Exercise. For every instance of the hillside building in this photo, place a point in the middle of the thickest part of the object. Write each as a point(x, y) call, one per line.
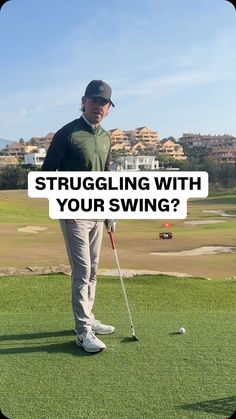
point(134, 141)
point(43, 141)
point(119, 140)
point(172, 149)
point(8, 161)
point(35, 158)
point(15, 150)
point(145, 136)
point(222, 148)
point(136, 163)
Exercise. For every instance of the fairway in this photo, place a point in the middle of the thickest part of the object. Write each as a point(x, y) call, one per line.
point(164, 375)
point(138, 243)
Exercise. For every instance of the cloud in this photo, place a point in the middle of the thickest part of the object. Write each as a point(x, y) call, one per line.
point(164, 85)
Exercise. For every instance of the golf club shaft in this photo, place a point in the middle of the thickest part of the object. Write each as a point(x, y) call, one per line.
point(121, 280)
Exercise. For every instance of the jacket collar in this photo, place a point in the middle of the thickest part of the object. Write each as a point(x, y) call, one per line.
point(92, 127)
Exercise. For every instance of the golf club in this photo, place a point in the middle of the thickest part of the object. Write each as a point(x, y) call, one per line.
point(122, 285)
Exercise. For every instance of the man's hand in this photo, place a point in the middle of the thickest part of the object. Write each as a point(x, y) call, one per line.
point(110, 225)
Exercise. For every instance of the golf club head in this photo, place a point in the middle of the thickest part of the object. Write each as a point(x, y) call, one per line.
point(135, 338)
point(130, 339)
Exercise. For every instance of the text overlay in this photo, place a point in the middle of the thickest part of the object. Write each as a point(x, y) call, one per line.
point(120, 195)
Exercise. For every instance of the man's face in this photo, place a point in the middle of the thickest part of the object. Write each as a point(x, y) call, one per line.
point(95, 109)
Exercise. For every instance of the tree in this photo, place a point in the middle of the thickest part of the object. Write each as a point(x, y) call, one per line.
point(14, 177)
point(33, 141)
point(212, 168)
point(196, 154)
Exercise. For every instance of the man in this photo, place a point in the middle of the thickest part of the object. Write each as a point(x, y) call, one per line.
point(83, 145)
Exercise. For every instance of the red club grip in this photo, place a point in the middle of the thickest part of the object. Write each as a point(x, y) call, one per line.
point(112, 239)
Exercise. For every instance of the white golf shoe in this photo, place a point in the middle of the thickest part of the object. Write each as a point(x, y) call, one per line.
point(89, 342)
point(101, 329)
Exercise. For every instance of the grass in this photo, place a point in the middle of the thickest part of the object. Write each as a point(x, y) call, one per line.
point(142, 236)
point(164, 375)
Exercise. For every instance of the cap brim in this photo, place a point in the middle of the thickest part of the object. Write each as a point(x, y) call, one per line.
point(103, 97)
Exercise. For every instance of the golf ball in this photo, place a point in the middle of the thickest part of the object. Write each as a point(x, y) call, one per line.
point(182, 330)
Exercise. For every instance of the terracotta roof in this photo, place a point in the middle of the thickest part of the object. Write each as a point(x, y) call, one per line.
point(169, 139)
point(15, 145)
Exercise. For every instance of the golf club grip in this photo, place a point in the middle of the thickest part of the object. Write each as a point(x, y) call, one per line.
point(112, 240)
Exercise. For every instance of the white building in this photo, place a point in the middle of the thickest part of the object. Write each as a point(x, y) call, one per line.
point(35, 159)
point(137, 163)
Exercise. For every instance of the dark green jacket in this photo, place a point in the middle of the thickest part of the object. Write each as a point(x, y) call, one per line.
point(79, 147)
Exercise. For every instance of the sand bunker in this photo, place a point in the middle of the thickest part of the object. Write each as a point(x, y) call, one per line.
point(132, 272)
point(31, 229)
point(197, 222)
point(223, 213)
point(207, 250)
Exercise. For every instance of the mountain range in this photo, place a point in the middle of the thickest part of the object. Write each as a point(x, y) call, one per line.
point(3, 143)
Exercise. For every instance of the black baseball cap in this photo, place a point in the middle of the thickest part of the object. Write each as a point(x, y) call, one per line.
point(98, 88)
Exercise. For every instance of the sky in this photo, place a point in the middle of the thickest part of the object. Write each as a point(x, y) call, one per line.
point(171, 64)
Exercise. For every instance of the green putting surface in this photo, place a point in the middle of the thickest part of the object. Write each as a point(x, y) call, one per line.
point(44, 375)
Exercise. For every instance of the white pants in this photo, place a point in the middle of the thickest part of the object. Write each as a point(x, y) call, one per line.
point(83, 240)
